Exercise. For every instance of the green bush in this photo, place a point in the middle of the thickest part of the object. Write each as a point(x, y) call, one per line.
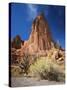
point(44, 68)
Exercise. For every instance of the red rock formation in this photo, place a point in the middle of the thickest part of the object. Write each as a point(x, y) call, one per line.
point(39, 43)
point(16, 49)
point(17, 42)
point(40, 37)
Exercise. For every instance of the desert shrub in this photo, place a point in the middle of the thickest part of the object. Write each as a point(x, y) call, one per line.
point(16, 71)
point(38, 67)
point(24, 65)
point(44, 68)
point(33, 59)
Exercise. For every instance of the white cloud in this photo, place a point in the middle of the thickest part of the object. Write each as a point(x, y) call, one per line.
point(32, 11)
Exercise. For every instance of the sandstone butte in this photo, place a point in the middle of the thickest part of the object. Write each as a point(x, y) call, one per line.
point(40, 41)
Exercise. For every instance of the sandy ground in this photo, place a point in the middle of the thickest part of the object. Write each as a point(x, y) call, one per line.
point(25, 81)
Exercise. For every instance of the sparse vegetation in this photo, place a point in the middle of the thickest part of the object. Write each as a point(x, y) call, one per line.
point(24, 65)
point(44, 68)
point(41, 67)
point(16, 71)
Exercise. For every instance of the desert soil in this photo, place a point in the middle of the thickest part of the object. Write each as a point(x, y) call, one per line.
point(27, 81)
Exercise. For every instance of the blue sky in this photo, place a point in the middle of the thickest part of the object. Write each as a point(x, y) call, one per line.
point(22, 16)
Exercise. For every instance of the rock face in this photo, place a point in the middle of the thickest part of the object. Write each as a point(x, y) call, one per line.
point(16, 51)
point(17, 42)
point(40, 37)
point(40, 43)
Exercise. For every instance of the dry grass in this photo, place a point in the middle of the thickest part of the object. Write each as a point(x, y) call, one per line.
point(16, 71)
point(46, 68)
